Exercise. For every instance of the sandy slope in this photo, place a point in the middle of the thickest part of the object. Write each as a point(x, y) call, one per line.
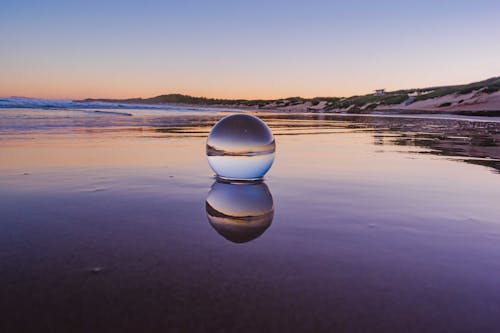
point(474, 101)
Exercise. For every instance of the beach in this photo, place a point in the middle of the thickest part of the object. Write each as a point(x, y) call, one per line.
point(385, 224)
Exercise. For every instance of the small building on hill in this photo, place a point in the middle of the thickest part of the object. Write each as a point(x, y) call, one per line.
point(379, 92)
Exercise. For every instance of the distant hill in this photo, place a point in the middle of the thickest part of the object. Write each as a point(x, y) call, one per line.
point(476, 96)
point(171, 99)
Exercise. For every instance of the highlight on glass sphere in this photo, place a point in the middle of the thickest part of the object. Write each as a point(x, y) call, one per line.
point(240, 147)
point(240, 212)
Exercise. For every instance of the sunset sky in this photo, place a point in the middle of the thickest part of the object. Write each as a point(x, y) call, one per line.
point(243, 49)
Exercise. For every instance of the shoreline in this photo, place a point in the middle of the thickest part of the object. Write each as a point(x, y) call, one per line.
point(383, 112)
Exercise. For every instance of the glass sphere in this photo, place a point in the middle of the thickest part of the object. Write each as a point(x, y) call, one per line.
point(240, 212)
point(240, 147)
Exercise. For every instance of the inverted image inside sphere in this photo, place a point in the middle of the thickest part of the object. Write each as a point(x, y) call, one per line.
point(240, 147)
point(240, 134)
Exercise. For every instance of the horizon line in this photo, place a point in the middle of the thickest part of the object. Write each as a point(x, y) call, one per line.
point(248, 99)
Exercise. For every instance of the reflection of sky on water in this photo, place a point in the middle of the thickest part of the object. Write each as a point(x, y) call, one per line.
point(476, 141)
point(371, 222)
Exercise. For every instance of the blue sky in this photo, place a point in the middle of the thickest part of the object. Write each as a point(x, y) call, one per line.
point(252, 49)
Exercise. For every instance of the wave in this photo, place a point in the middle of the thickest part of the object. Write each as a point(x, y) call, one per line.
point(39, 103)
point(112, 113)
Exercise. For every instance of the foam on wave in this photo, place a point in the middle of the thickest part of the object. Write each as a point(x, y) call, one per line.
point(39, 103)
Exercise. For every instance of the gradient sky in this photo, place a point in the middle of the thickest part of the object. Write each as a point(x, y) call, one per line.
point(243, 49)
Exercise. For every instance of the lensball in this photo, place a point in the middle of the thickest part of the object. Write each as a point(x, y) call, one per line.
point(241, 147)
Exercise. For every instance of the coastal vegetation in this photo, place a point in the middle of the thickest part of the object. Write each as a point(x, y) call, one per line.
point(356, 103)
point(488, 86)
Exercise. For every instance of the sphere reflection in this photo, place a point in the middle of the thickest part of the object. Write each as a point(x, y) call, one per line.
point(240, 212)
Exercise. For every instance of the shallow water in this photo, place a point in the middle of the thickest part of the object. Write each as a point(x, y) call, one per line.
point(114, 223)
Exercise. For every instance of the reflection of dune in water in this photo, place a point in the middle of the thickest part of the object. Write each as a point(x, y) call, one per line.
point(243, 218)
point(239, 229)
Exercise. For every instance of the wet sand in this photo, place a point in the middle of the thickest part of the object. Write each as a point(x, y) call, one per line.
point(376, 224)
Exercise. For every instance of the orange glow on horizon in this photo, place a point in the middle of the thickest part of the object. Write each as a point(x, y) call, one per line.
point(57, 89)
